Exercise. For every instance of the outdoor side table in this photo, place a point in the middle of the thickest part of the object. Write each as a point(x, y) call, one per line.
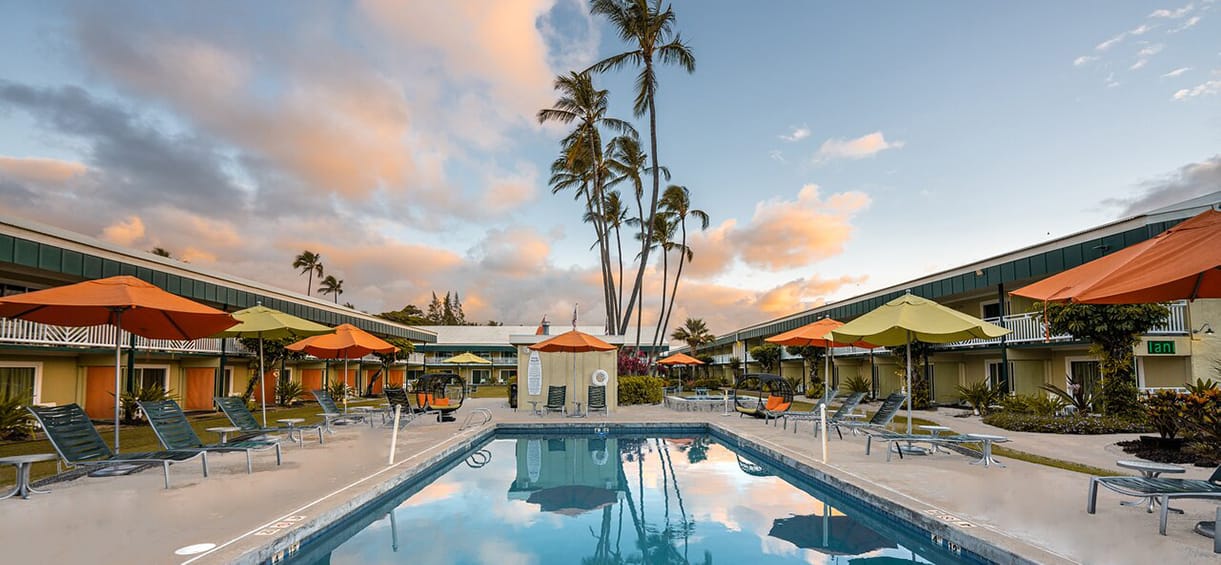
point(855, 417)
point(1149, 470)
point(365, 412)
point(224, 432)
point(23, 464)
point(987, 440)
point(293, 430)
point(577, 413)
point(935, 431)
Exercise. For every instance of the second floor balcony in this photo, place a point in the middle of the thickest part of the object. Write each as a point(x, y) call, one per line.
point(21, 332)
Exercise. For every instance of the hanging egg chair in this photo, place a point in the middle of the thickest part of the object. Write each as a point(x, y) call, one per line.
point(762, 395)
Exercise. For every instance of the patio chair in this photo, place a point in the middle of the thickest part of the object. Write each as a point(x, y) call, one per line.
point(331, 414)
point(1208, 529)
point(176, 434)
point(888, 437)
point(597, 400)
point(846, 407)
point(812, 413)
point(881, 418)
point(775, 408)
point(239, 415)
point(1163, 490)
point(398, 397)
point(557, 398)
point(77, 442)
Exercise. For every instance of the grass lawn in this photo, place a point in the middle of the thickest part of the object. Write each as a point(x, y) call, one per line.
point(142, 438)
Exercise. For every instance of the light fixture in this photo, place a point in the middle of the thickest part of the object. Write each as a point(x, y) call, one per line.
point(1206, 328)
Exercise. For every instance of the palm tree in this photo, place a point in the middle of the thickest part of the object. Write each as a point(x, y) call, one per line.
point(332, 286)
point(309, 262)
point(616, 217)
point(694, 332)
point(663, 238)
point(161, 252)
point(629, 163)
point(580, 102)
point(676, 203)
point(649, 29)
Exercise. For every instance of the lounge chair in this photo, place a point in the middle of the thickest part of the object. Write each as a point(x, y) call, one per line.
point(239, 415)
point(776, 407)
point(813, 413)
point(596, 400)
point(880, 419)
point(846, 407)
point(886, 436)
point(176, 434)
point(1163, 490)
point(1208, 529)
point(77, 442)
point(557, 398)
point(331, 414)
point(398, 397)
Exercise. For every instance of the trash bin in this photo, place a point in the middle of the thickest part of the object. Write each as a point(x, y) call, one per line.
point(513, 396)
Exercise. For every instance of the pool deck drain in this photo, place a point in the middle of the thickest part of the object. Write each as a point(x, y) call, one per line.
point(1034, 511)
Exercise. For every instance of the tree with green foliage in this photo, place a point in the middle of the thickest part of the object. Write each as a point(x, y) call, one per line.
point(1113, 330)
point(811, 358)
point(767, 356)
point(921, 353)
point(649, 32)
point(332, 286)
point(410, 315)
point(676, 204)
point(309, 263)
point(694, 332)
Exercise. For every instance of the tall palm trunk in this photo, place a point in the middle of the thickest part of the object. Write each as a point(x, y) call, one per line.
point(619, 256)
point(310, 282)
point(608, 282)
point(661, 311)
point(648, 236)
point(682, 256)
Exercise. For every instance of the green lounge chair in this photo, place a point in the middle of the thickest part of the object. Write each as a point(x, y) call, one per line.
point(396, 396)
point(597, 400)
point(331, 414)
point(846, 407)
point(886, 436)
point(239, 415)
point(176, 434)
point(1208, 529)
point(77, 442)
point(557, 397)
point(813, 413)
point(882, 418)
point(1163, 490)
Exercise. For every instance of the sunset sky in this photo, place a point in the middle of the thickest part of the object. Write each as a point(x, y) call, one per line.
point(838, 148)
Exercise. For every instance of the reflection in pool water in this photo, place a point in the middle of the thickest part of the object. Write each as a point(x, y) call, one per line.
point(594, 500)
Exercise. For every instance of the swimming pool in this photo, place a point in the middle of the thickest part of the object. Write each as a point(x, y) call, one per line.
point(522, 498)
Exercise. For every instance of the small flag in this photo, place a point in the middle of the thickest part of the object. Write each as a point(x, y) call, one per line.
point(574, 315)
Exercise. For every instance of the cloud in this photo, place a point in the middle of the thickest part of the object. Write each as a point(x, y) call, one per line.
point(1120, 37)
point(776, 155)
point(867, 145)
point(714, 250)
point(796, 134)
point(1203, 89)
point(125, 232)
point(1084, 60)
point(34, 169)
point(785, 234)
point(517, 252)
point(1142, 56)
point(1186, 25)
point(1110, 81)
point(1188, 181)
point(1172, 14)
point(1177, 72)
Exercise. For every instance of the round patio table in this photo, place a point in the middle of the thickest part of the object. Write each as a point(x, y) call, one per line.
point(987, 440)
point(936, 431)
point(23, 464)
point(223, 432)
point(1149, 470)
point(293, 429)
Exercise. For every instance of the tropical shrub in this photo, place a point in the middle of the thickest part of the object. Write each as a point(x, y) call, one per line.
point(979, 396)
point(632, 363)
point(735, 365)
point(858, 384)
point(1162, 412)
point(338, 390)
point(640, 389)
point(1202, 385)
point(1200, 416)
point(815, 389)
point(1075, 424)
point(1076, 395)
point(15, 421)
point(131, 413)
point(1043, 405)
point(767, 356)
point(287, 392)
point(708, 383)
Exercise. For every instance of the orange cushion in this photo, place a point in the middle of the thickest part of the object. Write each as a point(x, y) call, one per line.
point(440, 402)
point(782, 407)
point(773, 402)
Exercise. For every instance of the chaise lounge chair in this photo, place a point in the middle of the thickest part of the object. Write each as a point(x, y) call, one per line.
point(886, 436)
point(176, 434)
point(849, 404)
point(331, 414)
point(596, 400)
point(77, 442)
point(881, 418)
point(396, 396)
point(239, 415)
point(1163, 490)
point(557, 398)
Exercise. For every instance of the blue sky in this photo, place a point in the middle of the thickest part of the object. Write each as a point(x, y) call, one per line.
point(837, 147)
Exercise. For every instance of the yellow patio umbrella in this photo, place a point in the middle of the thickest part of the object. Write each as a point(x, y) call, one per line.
point(911, 318)
point(467, 358)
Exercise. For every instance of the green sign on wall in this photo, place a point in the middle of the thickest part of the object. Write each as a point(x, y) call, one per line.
point(1161, 347)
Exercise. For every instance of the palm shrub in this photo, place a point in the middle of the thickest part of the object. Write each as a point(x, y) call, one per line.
point(288, 391)
point(128, 402)
point(1202, 385)
point(15, 420)
point(1076, 395)
point(1162, 411)
point(858, 384)
point(979, 395)
point(338, 390)
point(1200, 416)
point(1043, 405)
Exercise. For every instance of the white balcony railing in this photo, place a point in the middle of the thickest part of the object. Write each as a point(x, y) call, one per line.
point(1027, 328)
point(32, 333)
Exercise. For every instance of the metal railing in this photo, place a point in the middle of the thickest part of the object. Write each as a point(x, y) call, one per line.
point(1026, 328)
point(23, 332)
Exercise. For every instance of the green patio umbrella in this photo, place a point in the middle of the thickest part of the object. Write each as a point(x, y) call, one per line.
point(264, 323)
point(911, 318)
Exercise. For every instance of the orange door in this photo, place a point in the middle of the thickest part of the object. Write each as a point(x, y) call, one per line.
point(99, 386)
point(396, 377)
point(381, 379)
point(311, 379)
point(200, 387)
point(268, 385)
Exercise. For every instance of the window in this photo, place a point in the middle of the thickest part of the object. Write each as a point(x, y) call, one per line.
point(22, 381)
point(1084, 371)
point(227, 381)
point(998, 379)
point(146, 377)
point(989, 310)
point(506, 374)
point(480, 376)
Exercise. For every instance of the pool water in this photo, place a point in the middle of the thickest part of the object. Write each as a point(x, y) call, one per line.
point(618, 499)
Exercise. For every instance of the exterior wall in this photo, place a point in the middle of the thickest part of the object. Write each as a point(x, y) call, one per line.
point(1205, 349)
point(1028, 376)
point(573, 370)
point(946, 378)
point(1165, 371)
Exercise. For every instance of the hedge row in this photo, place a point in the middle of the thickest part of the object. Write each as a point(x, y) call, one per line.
point(1085, 425)
point(640, 389)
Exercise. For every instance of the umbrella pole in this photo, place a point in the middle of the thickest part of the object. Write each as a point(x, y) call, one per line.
point(908, 349)
point(262, 381)
point(826, 376)
point(345, 384)
point(118, 375)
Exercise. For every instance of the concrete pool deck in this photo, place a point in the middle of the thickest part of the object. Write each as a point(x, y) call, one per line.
point(1034, 511)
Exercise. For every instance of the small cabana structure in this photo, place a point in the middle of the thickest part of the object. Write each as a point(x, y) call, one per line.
point(772, 395)
point(440, 392)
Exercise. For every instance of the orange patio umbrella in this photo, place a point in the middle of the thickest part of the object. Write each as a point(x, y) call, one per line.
point(125, 302)
point(816, 334)
point(573, 342)
point(1183, 262)
point(345, 343)
point(680, 359)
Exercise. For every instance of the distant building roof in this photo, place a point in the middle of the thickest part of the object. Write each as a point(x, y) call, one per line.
point(449, 337)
